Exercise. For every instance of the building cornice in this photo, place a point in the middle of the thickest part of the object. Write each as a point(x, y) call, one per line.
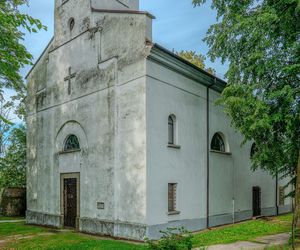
point(170, 60)
point(124, 12)
point(44, 51)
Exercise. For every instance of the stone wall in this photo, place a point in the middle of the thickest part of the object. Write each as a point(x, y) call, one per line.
point(13, 202)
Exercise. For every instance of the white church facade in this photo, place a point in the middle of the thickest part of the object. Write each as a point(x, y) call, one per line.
point(124, 137)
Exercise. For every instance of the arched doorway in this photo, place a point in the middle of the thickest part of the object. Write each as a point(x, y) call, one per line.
point(71, 141)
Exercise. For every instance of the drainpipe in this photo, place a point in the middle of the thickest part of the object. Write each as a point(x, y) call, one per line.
point(276, 193)
point(207, 151)
point(233, 191)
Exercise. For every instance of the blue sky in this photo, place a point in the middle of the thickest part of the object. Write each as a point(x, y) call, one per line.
point(178, 25)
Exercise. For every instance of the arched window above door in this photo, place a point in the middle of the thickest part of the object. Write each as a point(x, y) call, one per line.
point(71, 143)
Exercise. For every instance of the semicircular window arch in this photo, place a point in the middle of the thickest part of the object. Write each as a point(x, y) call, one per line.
point(71, 143)
point(218, 143)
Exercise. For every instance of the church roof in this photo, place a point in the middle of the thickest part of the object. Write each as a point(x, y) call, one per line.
point(176, 63)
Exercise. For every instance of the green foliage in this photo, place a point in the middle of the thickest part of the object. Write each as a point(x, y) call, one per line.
point(196, 59)
point(172, 239)
point(13, 163)
point(261, 42)
point(5, 124)
point(13, 54)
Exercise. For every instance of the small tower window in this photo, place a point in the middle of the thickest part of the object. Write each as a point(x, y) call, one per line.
point(218, 143)
point(72, 143)
point(71, 23)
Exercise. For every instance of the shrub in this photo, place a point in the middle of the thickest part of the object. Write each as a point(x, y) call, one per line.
point(172, 239)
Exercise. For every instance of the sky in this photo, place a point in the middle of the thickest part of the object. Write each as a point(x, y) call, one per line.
point(178, 25)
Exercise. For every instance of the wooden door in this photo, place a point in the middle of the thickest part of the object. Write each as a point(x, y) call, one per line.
point(70, 202)
point(256, 201)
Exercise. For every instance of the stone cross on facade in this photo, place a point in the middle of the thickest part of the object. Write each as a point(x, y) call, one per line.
point(68, 78)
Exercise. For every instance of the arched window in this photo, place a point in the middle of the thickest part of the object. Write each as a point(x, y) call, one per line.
point(71, 143)
point(171, 129)
point(253, 150)
point(217, 143)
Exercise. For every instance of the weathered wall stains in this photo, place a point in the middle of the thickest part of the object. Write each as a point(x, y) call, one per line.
point(97, 78)
point(106, 54)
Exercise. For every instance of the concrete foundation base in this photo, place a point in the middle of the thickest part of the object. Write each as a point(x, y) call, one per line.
point(43, 219)
point(191, 225)
point(92, 226)
point(269, 211)
point(113, 228)
point(285, 209)
point(140, 231)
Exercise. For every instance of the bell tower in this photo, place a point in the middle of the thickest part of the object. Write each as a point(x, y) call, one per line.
point(73, 17)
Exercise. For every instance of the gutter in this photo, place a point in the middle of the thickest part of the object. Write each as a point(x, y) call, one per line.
point(216, 79)
point(171, 61)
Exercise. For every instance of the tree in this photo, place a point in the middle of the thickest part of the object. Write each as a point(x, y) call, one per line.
point(13, 164)
point(5, 111)
point(196, 59)
point(261, 42)
point(12, 144)
point(13, 54)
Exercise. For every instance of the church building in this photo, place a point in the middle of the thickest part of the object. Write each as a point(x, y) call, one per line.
point(124, 137)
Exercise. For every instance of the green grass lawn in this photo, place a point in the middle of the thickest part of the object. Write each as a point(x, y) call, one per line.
point(54, 239)
point(19, 228)
point(245, 231)
point(68, 240)
point(11, 218)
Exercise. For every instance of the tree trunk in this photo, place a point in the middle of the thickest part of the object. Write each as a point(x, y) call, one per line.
point(297, 202)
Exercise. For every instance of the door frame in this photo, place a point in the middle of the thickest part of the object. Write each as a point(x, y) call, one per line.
point(69, 176)
point(258, 190)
